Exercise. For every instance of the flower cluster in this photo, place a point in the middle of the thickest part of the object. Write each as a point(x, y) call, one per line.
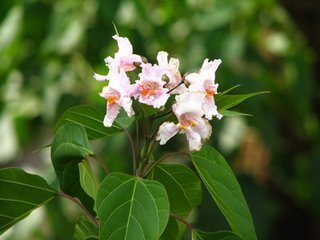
point(194, 93)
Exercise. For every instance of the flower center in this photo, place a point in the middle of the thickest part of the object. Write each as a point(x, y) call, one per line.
point(210, 90)
point(112, 99)
point(148, 88)
point(186, 122)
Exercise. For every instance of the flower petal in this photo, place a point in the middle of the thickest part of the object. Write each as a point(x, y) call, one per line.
point(166, 131)
point(99, 77)
point(112, 112)
point(194, 139)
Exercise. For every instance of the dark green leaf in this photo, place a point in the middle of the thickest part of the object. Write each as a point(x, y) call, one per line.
point(220, 235)
point(228, 101)
point(224, 188)
point(85, 230)
point(131, 208)
point(69, 147)
point(20, 194)
point(180, 181)
point(174, 230)
point(92, 120)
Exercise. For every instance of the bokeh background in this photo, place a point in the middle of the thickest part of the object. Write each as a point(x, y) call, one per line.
point(50, 49)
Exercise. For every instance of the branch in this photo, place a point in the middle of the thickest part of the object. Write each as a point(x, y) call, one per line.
point(102, 163)
point(134, 161)
point(83, 208)
point(181, 219)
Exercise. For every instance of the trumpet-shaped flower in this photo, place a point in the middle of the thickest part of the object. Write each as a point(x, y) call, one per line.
point(170, 69)
point(117, 96)
point(189, 112)
point(124, 59)
point(149, 89)
point(204, 82)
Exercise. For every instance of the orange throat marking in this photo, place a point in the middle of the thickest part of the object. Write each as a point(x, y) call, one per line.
point(112, 99)
point(148, 88)
point(210, 92)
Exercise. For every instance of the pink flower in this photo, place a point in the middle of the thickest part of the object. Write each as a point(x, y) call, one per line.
point(149, 89)
point(204, 82)
point(189, 112)
point(124, 59)
point(170, 69)
point(117, 96)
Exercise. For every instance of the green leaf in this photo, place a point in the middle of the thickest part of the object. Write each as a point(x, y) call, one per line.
point(88, 180)
point(174, 230)
point(182, 185)
point(92, 120)
point(179, 181)
point(69, 147)
point(131, 208)
point(228, 101)
point(224, 188)
point(220, 235)
point(20, 194)
point(229, 113)
point(85, 230)
point(226, 91)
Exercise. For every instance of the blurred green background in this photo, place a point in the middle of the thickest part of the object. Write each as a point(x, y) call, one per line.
point(49, 51)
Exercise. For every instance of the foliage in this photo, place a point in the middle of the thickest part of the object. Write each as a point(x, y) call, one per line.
point(48, 50)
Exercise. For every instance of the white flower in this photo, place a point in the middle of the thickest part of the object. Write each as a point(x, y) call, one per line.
point(171, 70)
point(204, 82)
point(124, 59)
point(149, 89)
point(189, 112)
point(117, 96)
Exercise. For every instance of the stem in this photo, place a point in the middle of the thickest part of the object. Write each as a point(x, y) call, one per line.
point(83, 208)
point(146, 126)
point(175, 87)
point(181, 219)
point(134, 161)
point(137, 140)
point(102, 163)
point(163, 158)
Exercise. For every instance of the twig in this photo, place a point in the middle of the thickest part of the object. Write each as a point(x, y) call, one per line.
point(83, 208)
point(137, 140)
point(102, 163)
point(134, 161)
point(163, 158)
point(181, 219)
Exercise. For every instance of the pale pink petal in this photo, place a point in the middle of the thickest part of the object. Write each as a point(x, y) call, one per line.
point(99, 77)
point(189, 102)
point(159, 101)
point(170, 69)
point(193, 78)
point(112, 112)
point(204, 128)
point(162, 59)
point(126, 103)
point(166, 131)
point(210, 108)
point(194, 140)
point(210, 66)
point(125, 47)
